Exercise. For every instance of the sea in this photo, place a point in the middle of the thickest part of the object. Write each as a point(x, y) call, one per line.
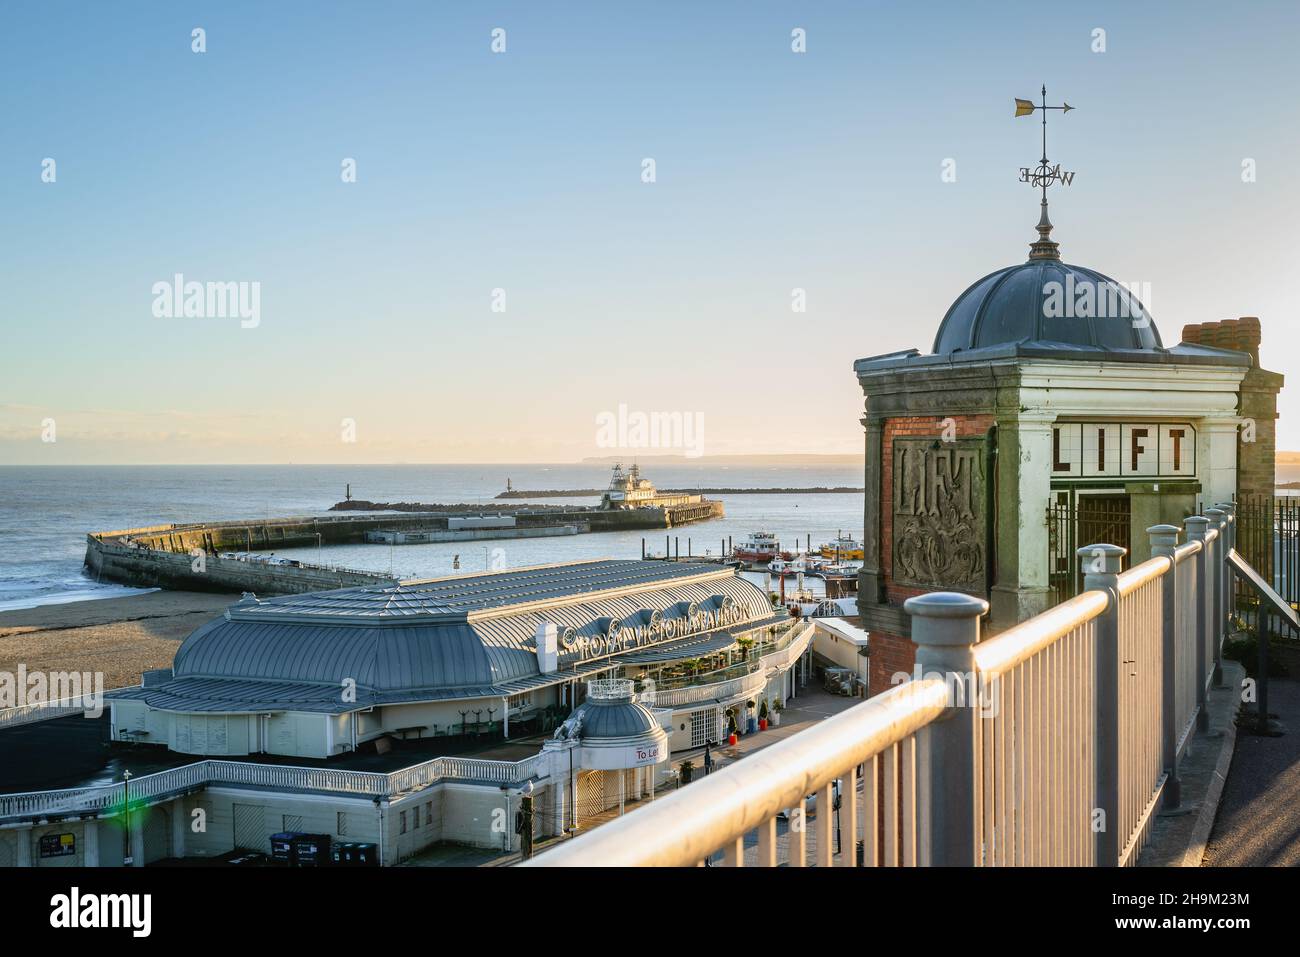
point(47, 511)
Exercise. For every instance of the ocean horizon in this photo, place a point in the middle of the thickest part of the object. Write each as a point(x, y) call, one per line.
point(46, 511)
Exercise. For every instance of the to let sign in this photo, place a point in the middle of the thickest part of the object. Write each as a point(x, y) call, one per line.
point(1123, 450)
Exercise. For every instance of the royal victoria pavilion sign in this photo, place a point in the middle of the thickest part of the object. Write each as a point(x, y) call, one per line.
point(616, 635)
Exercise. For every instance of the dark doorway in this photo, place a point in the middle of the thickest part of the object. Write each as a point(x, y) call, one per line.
point(1076, 519)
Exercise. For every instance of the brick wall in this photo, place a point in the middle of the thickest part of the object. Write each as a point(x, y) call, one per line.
point(1256, 461)
point(890, 654)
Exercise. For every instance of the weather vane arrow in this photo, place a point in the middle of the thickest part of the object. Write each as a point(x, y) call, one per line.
point(1043, 176)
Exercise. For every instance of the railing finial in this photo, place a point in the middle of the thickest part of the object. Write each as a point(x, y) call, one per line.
point(946, 628)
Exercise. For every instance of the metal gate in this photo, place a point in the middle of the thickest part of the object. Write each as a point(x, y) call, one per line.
point(1076, 519)
point(597, 791)
point(704, 726)
point(543, 809)
point(250, 827)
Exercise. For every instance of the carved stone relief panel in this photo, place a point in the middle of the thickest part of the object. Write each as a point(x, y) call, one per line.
point(940, 526)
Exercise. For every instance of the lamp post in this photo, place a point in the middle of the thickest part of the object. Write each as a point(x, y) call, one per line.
point(525, 823)
point(127, 859)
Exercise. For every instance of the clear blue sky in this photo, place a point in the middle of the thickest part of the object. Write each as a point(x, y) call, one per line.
point(522, 170)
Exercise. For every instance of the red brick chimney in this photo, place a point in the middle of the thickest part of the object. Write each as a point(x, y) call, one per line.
point(1241, 335)
point(1257, 404)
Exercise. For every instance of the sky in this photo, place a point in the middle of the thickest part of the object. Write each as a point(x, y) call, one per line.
point(500, 279)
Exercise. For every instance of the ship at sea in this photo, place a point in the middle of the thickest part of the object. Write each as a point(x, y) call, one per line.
point(628, 489)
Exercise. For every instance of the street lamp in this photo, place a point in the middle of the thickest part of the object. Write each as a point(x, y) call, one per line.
point(127, 859)
point(525, 826)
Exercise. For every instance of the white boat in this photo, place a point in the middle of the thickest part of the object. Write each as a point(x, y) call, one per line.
point(787, 567)
point(836, 570)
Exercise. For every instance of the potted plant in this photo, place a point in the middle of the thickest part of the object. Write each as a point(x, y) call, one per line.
point(688, 770)
point(751, 722)
point(744, 644)
point(762, 715)
point(733, 729)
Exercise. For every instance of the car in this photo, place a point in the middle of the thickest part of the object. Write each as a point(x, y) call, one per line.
point(810, 802)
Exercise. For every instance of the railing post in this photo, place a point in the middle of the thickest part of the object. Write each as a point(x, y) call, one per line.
point(1101, 565)
point(946, 628)
point(1164, 542)
point(1222, 593)
point(1206, 579)
point(1229, 581)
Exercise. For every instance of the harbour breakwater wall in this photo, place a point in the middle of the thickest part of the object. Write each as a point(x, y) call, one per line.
point(596, 519)
point(148, 568)
point(589, 492)
point(188, 556)
point(437, 535)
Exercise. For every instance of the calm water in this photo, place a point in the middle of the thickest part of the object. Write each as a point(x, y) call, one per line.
point(45, 513)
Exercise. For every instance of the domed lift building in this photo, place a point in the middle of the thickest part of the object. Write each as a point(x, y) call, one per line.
point(1048, 415)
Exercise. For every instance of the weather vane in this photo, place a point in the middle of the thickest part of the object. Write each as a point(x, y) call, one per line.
point(1043, 176)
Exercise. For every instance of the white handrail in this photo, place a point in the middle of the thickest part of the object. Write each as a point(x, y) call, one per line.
point(287, 777)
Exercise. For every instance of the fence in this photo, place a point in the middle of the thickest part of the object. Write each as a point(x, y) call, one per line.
point(200, 774)
point(1053, 743)
point(1268, 537)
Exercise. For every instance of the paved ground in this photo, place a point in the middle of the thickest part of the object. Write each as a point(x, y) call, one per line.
point(812, 705)
point(1258, 824)
point(1179, 834)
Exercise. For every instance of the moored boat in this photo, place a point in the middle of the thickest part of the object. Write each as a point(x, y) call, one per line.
point(760, 548)
point(845, 548)
point(786, 567)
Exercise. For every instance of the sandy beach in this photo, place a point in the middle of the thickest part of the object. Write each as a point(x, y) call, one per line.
point(122, 637)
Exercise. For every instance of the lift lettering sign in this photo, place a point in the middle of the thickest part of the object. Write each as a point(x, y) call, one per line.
point(1123, 449)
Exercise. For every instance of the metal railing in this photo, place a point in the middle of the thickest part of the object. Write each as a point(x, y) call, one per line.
point(752, 675)
point(1053, 743)
point(1039, 682)
point(48, 710)
point(1138, 690)
point(280, 777)
point(720, 690)
point(1268, 538)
